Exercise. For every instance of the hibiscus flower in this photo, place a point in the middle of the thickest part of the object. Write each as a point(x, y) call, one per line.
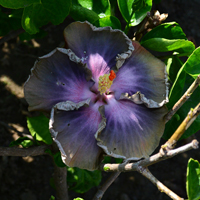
point(104, 94)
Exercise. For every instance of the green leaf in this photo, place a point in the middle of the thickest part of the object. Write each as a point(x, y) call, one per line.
point(101, 7)
point(78, 198)
point(193, 180)
point(52, 197)
point(80, 180)
point(108, 21)
point(39, 128)
point(134, 11)
point(39, 14)
point(57, 158)
point(15, 4)
point(173, 66)
point(167, 37)
point(79, 13)
point(192, 66)
point(24, 141)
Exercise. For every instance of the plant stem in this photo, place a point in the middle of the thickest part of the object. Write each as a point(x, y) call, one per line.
point(183, 99)
point(99, 194)
point(145, 172)
point(162, 155)
point(192, 115)
point(31, 151)
point(60, 180)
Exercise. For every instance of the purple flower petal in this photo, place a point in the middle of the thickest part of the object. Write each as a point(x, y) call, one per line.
point(56, 77)
point(132, 130)
point(144, 73)
point(73, 127)
point(98, 47)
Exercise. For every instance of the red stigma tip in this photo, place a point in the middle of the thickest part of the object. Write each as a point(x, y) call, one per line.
point(112, 75)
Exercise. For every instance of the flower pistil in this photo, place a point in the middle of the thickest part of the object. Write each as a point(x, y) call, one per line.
point(106, 81)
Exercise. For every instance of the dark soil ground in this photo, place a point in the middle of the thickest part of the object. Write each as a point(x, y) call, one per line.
point(28, 178)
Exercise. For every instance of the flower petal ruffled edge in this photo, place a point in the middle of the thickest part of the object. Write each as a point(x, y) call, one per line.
point(65, 106)
point(120, 59)
point(77, 145)
point(35, 105)
point(140, 98)
point(143, 152)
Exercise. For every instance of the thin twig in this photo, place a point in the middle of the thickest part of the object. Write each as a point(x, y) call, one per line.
point(105, 186)
point(162, 155)
point(15, 151)
point(60, 181)
point(192, 115)
point(145, 172)
point(183, 99)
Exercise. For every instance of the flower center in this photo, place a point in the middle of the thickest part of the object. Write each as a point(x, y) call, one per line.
point(106, 81)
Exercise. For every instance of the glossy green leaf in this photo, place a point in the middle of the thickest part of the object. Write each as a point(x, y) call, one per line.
point(101, 7)
point(80, 180)
point(24, 141)
point(192, 66)
point(134, 11)
point(167, 37)
point(79, 13)
point(39, 14)
point(173, 66)
point(15, 4)
point(193, 180)
point(169, 30)
point(108, 21)
point(39, 128)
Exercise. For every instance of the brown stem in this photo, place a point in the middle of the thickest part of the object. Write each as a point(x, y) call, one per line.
point(145, 172)
point(15, 151)
point(60, 181)
point(105, 186)
point(183, 99)
point(192, 115)
point(162, 155)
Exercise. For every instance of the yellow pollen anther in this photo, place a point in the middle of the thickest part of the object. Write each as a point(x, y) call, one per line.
point(106, 81)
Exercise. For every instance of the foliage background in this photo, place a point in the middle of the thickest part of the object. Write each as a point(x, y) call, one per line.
point(28, 178)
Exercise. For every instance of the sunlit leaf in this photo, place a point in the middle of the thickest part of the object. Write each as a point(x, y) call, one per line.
point(39, 128)
point(78, 13)
point(101, 7)
point(192, 66)
point(39, 14)
point(173, 66)
point(24, 141)
point(193, 180)
point(167, 37)
point(134, 11)
point(108, 21)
